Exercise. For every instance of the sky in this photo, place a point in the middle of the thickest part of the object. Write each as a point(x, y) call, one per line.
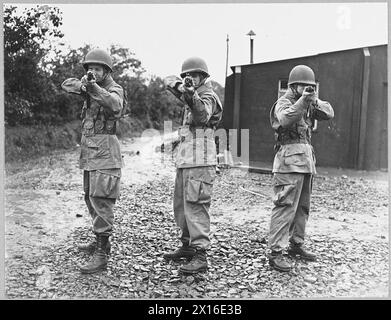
point(162, 36)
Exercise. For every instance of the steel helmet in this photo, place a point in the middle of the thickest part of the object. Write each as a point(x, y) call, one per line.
point(98, 56)
point(194, 64)
point(302, 74)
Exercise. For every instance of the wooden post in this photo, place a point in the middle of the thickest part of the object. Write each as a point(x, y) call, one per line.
point(363, 109)
point(236, 109)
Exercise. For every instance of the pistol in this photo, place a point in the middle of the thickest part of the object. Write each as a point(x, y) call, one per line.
point(189, 82)
point(90, 75)
point(309, 89)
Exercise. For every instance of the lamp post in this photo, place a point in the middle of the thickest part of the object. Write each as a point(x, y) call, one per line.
point(251, 34)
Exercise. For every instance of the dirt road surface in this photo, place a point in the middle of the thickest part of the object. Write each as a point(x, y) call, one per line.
point(46, 217)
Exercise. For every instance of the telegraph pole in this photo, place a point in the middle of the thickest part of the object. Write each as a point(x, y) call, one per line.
point(226, 60)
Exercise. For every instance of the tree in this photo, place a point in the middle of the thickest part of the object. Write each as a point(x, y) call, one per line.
point(147, 98)
point(128, 72)
point(67, 65)
point(162, 105)
point(28, 38)
point(218, 89)
point(35, 67)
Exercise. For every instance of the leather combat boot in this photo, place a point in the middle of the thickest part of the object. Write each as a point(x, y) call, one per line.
point(98, 261)
point(185, 251)
point(91, 247)
point(298, 250)
point(197, 264)
point(278, 262)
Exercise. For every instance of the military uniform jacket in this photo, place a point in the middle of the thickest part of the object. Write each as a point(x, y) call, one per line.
point(291, 118)
point(202, 113)
point(100, 148)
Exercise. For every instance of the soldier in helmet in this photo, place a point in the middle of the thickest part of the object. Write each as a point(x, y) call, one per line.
point(292, 118)
point(100, 157)
point(195, 161)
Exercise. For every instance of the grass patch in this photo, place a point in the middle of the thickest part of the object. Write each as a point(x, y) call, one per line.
point(30, 142)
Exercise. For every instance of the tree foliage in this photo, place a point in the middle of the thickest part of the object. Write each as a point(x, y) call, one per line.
point(28, 38)
point(36, 63)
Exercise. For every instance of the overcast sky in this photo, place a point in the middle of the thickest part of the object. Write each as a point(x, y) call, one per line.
point(163, 35)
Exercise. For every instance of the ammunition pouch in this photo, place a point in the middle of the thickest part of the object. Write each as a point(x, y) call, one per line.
point(291, 136)
point(92, 127)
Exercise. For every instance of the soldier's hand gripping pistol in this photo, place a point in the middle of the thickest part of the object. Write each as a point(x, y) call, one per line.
point(178, 86)
point(90, 76)
point(87, 79)
point(309, 89)
point(188, 82)
point(311, 92)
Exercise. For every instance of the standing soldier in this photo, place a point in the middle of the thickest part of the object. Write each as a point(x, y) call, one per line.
point(100, 156)
point(292, 118)
point(196, 162)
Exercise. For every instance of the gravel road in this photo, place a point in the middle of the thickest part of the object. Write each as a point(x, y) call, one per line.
point(46, 217)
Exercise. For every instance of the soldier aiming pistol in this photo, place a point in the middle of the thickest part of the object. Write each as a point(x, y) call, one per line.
point(90, 76)
point(188, 82)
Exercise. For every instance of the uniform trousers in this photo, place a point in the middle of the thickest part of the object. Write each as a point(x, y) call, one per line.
point(101, 190)
point(292, 194)
point(192, 199)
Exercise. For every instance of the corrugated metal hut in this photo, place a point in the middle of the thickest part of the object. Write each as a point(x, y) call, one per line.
point(354, 82)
